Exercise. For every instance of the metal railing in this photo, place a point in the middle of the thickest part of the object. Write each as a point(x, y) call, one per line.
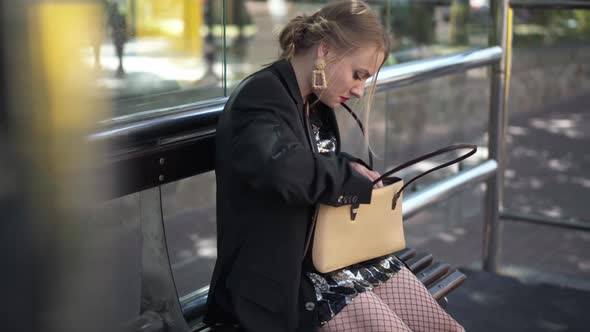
point(188, 131)
point(143, 128)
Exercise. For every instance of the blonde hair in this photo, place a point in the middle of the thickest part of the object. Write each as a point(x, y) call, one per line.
point(345, 25)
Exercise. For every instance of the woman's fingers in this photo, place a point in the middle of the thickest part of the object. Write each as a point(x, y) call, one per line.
point(376, 175)
point(362, 170)
point(380, 183)
point(371, 175)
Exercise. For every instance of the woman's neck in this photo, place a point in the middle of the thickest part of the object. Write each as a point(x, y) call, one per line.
point(303, 72)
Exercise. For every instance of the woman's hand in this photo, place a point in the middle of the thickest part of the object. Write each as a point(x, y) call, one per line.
point(371, 175)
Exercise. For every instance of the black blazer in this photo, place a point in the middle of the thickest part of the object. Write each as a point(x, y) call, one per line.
point(268, 179)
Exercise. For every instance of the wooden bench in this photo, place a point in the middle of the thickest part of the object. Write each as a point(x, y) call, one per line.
point(438, 277)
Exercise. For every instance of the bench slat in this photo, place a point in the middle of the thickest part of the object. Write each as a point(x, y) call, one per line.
point(433, 272)
point(420, 262)
point(405, 254)
point(446, 284)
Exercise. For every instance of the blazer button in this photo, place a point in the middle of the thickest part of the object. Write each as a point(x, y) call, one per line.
point(309, 306)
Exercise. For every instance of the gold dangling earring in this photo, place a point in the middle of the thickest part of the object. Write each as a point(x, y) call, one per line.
point(320, 74)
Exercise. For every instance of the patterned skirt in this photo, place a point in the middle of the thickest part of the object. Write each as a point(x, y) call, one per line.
point(336, 289)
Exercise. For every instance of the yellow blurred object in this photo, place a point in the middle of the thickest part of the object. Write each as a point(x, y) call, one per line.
point(63, 106)
point(65, 101)
point(59, 34)
point(509, 38)
point(178, 21)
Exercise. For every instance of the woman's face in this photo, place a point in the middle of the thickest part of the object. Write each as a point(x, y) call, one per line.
point(346, 76)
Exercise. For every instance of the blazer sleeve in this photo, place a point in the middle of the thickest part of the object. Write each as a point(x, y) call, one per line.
point(267, 155)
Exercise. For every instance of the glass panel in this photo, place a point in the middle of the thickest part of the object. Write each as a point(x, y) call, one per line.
point(525, 253)
point(256, 43)
point(422, 29)
point(153, 55)
point(452, 230)
point(158, 54)
point(547, 134)
point(416, 119)
point(189, 215)
point(429, 28)
point(541, 27)
point(113, 236)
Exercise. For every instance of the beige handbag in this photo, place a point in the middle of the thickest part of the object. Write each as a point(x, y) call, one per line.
point(354, 233)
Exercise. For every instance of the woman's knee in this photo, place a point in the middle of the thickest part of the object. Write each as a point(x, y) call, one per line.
point(367, 312)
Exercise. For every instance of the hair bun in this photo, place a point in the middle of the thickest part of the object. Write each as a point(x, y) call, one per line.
point(345, 24)
point(293, 33)
point(299, 29)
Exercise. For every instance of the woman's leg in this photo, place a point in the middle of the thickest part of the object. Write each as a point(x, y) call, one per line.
point(411, 301)
point(366, 313)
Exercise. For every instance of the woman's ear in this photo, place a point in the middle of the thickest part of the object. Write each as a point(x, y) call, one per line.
point(323, 50)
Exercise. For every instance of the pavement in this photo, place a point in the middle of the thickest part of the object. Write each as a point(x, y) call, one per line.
point(543, 280)
point(548, 163)
point(489, 302)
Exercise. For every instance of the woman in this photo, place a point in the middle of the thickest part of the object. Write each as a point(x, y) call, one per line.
point(278, 155)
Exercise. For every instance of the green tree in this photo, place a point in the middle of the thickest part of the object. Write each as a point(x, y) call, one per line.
point(460, 12)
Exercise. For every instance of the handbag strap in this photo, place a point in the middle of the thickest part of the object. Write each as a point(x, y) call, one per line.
point(360, 124)
point(471, 147)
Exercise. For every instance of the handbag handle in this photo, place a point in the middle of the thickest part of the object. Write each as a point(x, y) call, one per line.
point(472, 147)
point(414, 161)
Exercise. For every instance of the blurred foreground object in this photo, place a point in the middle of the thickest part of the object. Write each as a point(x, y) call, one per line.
point(47, 185)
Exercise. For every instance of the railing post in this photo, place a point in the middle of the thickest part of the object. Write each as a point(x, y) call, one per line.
point(500, 35)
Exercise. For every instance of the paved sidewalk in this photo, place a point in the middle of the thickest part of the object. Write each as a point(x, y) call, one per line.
point(544, 280)
point(488, 303)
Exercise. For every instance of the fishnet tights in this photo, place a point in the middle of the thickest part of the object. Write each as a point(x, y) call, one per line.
point(400, 304)
point(367, 313)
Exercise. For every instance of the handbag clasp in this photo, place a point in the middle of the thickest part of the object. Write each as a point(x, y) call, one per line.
point(353, 210)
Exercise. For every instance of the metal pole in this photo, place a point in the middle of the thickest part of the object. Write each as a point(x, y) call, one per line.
point(571, 223)
point(500, 35)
